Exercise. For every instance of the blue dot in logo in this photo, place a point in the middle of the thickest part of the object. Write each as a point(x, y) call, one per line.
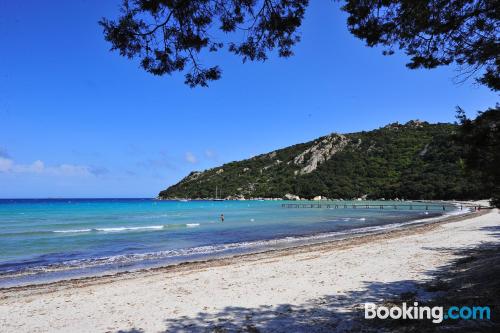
point(445, 316)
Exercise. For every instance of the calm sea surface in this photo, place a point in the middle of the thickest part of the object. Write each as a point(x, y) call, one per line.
point(47, 240)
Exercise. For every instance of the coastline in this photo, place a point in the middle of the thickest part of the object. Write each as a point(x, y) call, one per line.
point(266, 246)
point(353, 240)
point(155, 299)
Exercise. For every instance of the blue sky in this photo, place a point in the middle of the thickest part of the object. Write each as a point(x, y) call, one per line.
point(79, 121)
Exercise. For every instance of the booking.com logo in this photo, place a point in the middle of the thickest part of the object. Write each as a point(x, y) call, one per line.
point(436, 313)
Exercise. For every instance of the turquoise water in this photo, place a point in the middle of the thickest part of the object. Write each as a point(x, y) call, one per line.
point(42, 240)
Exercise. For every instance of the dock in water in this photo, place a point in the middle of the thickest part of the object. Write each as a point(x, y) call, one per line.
point(406, 206)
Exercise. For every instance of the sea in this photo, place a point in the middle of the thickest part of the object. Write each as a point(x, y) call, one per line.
point(46, 240)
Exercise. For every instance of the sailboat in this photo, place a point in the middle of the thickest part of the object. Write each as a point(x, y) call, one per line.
point(216, 197)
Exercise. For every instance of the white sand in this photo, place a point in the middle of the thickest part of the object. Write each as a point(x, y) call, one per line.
point(338, 275)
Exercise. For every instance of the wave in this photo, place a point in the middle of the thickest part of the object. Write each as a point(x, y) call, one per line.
point(72, 231)
point(118, 229)
point(130, 228)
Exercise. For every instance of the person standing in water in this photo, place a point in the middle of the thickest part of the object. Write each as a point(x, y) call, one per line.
point(222, 217)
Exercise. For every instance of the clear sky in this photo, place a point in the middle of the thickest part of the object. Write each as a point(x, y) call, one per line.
point(79, 121)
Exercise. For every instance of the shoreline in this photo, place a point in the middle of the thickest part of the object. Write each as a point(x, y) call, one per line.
point(420, 225)
point(119, 264)
point(287, 290)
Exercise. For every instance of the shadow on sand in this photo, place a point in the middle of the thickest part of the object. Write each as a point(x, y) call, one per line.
point(473, 279)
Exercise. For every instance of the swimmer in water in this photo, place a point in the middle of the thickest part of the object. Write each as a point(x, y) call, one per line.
point(222, 217)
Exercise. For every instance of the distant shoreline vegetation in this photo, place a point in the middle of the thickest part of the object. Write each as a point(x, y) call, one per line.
point(414, 161)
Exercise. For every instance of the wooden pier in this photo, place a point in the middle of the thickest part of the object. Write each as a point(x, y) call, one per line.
point(406, 206)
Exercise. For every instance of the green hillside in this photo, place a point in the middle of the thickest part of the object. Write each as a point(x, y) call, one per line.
point(416, 160)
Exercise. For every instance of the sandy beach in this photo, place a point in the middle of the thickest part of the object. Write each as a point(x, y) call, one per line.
point(310, 288)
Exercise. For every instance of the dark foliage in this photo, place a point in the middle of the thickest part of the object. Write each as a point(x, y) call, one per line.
point(413, 161)
point(169, 35)
point(481, 141)
point(434, 33)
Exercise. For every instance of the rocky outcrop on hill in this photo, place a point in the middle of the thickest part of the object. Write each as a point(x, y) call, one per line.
point(416, 160)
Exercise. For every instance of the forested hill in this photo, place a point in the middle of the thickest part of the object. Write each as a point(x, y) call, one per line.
point(416, 160)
